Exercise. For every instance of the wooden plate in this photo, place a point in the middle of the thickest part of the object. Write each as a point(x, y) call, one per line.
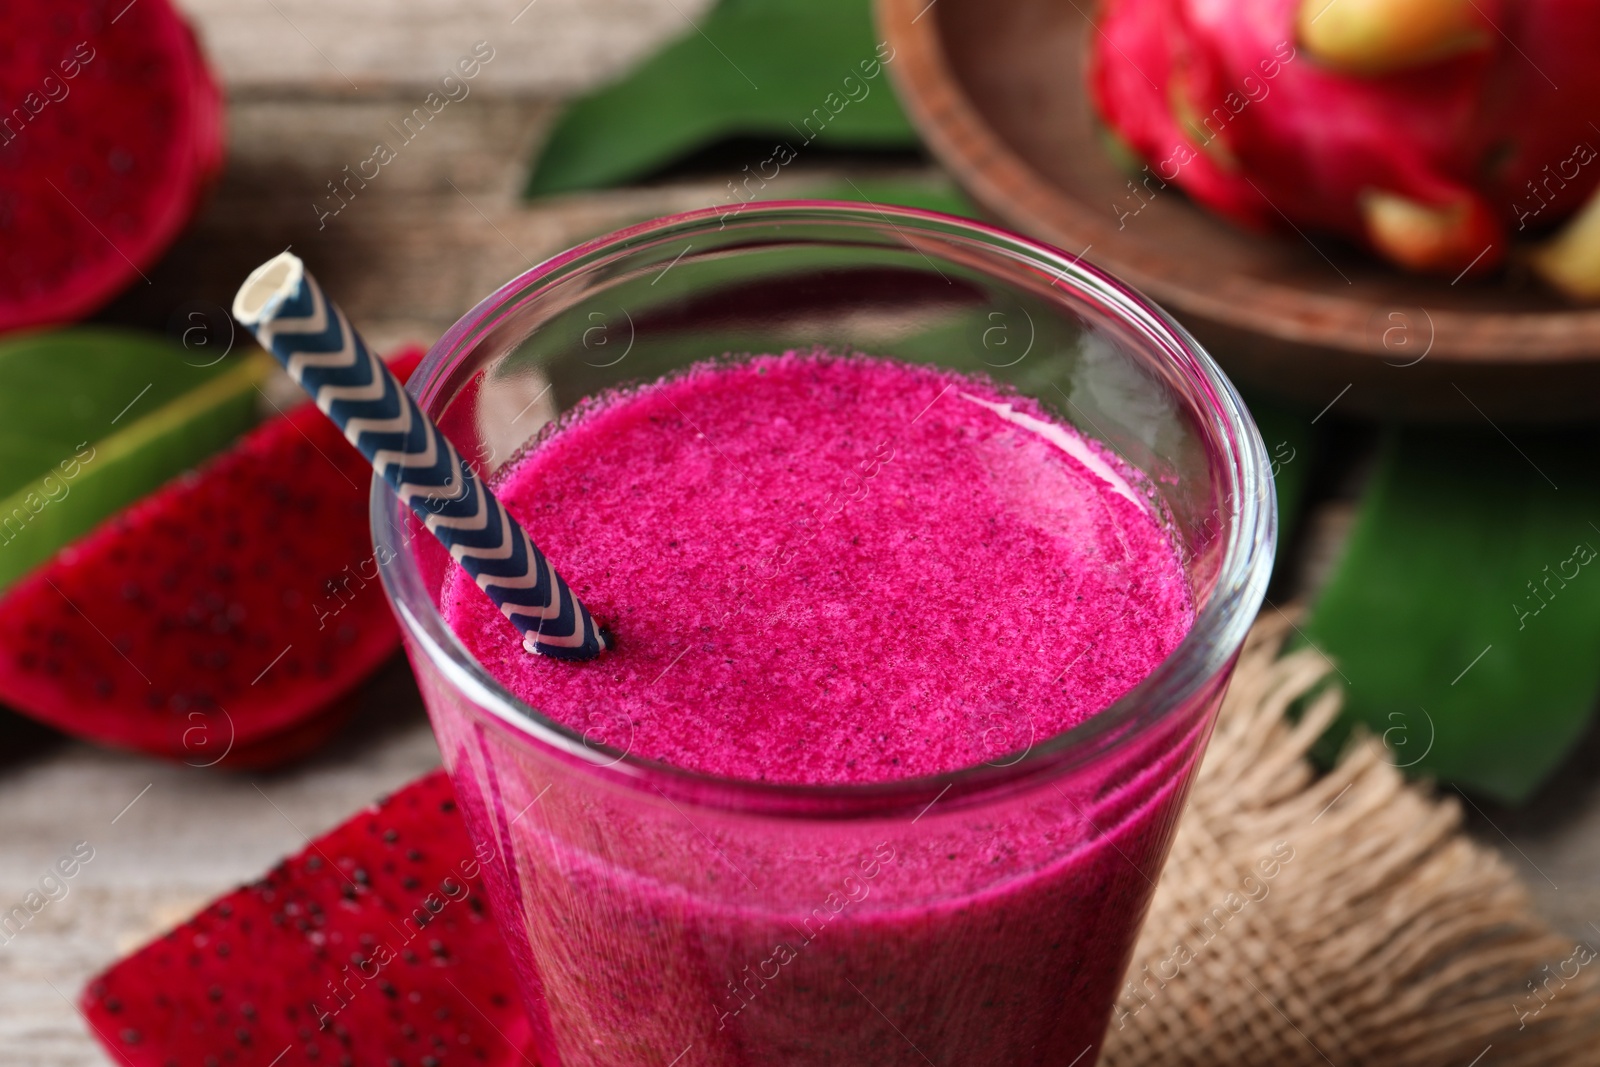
point(997, 90)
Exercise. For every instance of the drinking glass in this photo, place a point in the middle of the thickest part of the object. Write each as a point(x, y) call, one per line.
point(658, 916)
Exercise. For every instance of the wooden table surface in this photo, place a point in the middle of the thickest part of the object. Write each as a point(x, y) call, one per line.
point(312, 83)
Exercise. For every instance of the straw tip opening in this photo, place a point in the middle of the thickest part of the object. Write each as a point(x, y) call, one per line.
point(268, 286)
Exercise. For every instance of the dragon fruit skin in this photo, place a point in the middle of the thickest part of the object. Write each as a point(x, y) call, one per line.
point(1434, 165)
point(1559, 71)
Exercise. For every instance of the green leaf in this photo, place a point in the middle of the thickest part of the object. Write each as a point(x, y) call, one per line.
point(804, 74)
point(93, 419)
point(1465, 614)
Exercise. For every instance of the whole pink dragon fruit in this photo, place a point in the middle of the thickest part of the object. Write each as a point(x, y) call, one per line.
point(1434, 132)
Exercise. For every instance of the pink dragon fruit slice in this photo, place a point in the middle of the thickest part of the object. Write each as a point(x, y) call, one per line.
point(373, 946)
point(224, 619)
point(110, 131)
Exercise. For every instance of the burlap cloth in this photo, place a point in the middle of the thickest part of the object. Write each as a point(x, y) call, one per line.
point(1339, 918)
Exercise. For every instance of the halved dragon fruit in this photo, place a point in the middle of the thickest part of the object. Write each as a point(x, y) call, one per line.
point(374, 947)
point(110, 130)
point(1432, 131)
point(223, 619)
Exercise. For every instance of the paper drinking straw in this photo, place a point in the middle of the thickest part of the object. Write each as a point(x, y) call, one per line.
point(285, 308)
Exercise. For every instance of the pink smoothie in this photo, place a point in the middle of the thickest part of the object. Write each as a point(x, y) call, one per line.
point(832, 570)
point(827, 570)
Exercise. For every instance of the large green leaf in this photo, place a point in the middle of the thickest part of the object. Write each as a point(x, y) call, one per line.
point(1465, 614)
point(806, 73)
point(93, 419)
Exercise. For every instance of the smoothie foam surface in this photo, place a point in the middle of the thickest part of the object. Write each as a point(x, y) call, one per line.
point(824, 569)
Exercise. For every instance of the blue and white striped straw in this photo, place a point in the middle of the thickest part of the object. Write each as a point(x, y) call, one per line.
point(284, 307)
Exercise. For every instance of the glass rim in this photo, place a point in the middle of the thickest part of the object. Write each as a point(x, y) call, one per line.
point(1217, 633)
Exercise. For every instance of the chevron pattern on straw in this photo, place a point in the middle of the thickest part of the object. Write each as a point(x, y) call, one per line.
point(286, 309)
